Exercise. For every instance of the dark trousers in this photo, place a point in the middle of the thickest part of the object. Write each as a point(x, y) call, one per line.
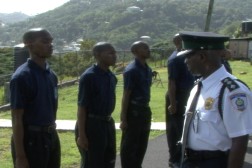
point(218, 162)
point(174, 129)
point(135, 138)
point(101, 144)
point(42, 149)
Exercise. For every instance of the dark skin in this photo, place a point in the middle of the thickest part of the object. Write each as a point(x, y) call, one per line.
point(40, 48)
point(141, 51)
point(104, 59)
point(205, 63)
point(172, 83)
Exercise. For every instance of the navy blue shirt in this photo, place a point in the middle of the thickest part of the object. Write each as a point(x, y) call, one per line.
point(179, 72)
point(138, 79)
point(35, 90)
point(97, 91)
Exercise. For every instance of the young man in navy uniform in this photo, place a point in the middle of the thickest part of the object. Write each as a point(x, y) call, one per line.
point(95, 131)
point(136, 112)
point(34, 100)
point(218, 133)
point(179, 86)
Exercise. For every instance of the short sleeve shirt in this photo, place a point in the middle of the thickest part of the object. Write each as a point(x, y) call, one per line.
point(213, 132)
point(97, 91)
point(138, 79)
point(35, 90)
point(179, 72)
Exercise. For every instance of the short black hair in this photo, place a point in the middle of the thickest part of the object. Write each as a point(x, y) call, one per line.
point(136, 45)
point(33, 34)
point(100, 47)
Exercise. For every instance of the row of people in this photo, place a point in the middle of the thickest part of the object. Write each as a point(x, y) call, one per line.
point(34, 102)
point(212, 140)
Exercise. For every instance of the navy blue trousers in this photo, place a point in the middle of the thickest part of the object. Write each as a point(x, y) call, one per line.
point(219, 162)
point(42, 149)
point(135, 138)
point(101, 144)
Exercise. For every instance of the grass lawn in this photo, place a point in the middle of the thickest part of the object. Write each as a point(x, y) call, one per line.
point(68, 108)
point(70, 156)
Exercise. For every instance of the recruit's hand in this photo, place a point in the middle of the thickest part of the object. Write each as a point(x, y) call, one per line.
point(172, 109)
point(82, 142)
point(22, 162)
point(123, 125)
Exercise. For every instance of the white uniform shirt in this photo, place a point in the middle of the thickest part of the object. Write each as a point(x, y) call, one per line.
point(208, 131)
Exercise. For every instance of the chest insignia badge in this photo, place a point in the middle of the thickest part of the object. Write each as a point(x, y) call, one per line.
point(209, 103)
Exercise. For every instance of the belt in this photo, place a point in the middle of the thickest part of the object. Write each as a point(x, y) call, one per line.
point(139, 104)
point(47, 129)
point(204, 154)
point(98, 117)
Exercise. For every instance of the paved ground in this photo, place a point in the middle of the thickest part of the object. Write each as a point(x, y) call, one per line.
point(157, 152)
point(156, 155)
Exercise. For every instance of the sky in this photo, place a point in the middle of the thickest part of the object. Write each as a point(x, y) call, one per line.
point(29, 7)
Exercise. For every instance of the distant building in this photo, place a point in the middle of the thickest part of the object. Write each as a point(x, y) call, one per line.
point(241, 48)
point(134, 9)
point(21, 54)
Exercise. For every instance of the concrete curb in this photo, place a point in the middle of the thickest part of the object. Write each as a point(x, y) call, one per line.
point(69, 125)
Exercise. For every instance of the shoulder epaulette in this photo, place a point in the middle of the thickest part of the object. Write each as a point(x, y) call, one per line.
point(230, 84)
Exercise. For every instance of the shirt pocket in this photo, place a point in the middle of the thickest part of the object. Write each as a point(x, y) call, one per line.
point(211, 116)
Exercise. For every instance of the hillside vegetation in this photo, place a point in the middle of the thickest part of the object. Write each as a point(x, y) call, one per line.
point(109, 20)
point(12, 17)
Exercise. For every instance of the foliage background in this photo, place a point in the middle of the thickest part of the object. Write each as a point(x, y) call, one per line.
point(109, 20)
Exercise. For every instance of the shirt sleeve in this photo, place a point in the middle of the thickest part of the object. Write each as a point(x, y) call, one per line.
point(237, 111)
point(17, 93)
point(173, 70)
point(129, 80)
point(85, 90)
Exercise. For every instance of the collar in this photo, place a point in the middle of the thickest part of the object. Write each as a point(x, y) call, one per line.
point(33, 65)
point(215, 77)
point(139, 64)
point(100, 71)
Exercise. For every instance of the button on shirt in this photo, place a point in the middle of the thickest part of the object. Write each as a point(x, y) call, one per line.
point(213, 132)
point(35, 90)
point(97, 91)
point(138, 79)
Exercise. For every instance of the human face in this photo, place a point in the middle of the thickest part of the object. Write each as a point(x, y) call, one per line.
point(42, 46)
point(108, 57)
point(178, 43)
point(194, 63)
point(143, 51)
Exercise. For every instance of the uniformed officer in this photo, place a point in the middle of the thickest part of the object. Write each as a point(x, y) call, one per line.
point(34, 100)
point(95, 128)
point(179, 86)
point(218, 132)
point(135, 112)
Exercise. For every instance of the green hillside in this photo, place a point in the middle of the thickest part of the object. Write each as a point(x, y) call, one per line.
point(111, 21)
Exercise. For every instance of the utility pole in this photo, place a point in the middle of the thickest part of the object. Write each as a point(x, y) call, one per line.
point(209, 15)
